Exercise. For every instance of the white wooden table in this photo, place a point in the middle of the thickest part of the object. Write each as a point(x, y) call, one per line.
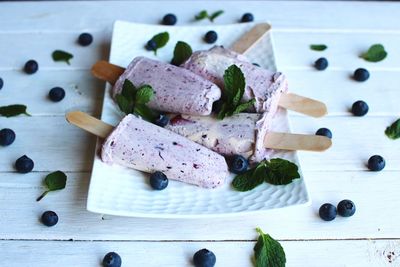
point(370, 238)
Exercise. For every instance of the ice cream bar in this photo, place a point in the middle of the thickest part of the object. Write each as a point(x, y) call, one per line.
point(143, 146)
point(263, 85)
point(177, 90)
point(241, 134)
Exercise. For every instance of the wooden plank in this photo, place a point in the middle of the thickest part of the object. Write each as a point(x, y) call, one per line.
point(300, 254)
point(21, 213)
point(85, 15)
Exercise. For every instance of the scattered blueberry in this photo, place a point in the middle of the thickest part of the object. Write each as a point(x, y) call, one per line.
point(217, 105)
point(49, 218)
point(1, 83)
point(204, 258)
point(256, 64)
point(7, 137)
point(112, 259)
point(376, 163)
point(162, 120)
point(85, 39)
point(158, 180)
point(359, 108)
point(346, 208)
point(361, 75)
point(56, 94)
point(324, 132)
point(24, 164)
point(211, 37)
point(31, 66)
point(321, 63)
point(169, 19)
point(247, 17)
point(327, 212)
point(238, 164)
point(151, 45)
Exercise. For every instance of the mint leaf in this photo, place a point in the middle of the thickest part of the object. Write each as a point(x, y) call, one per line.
point(123, 103)
point(375, 53)
point(145, 112)
point(244, 106)
point(161, 40)
point(59, 55)
point(318, 47)
point(393, 131)
point(128, 89)
point(202, 15)
point(182, 52)
point(54, 181)
point(215, 15)
point(144, 94)
point(246, 181)
point(13, 110)
point(281, 172)
point(268, 252)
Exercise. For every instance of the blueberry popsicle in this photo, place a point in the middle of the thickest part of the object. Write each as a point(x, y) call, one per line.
point(177, 90)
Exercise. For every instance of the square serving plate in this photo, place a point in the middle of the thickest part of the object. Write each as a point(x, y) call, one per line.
point(121, 191)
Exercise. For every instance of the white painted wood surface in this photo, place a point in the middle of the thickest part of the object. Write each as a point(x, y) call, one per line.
point(34, 30)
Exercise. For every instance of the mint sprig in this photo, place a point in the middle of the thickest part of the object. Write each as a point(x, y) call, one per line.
point(134, 100)
point(54, 181)
point(234, 85)
point(393, 131)
point(13, 110)
point(268, 252)
point(182, 52)
point(375, 53)
point(204, 15)
point(318, 47)
point(275, 171)
point(160, 40)
point(59, 55)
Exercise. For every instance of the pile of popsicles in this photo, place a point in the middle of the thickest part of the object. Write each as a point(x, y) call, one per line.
point(191, 147)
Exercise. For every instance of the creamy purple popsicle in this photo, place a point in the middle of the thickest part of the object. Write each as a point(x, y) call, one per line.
point(143, 146)
point(263, 85)
point(177, 90)
point(241, 134)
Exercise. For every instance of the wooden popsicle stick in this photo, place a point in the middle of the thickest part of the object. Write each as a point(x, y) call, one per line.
point(289, 141)
point(304, 105)
point(106, 71)
point(89, 123)
point(250, 38)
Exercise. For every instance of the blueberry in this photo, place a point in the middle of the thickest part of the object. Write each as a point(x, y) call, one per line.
point(321, 63)
point(359, 108)
point(238, 164)
point(49, 218)
point(85, 39)
point(256, 64)
point(361, 75)
point(324, 132)
point(158, 180)
point(204, 258)
point(24, 164)
point(56, 94)
point(162, 120)
point(327, 212)
point(217, 105)
point(151, 45)
point(112, 259)
point(211, 37)
point(376, 163)
point(7, 137)
point(1, 83)
point(169, 19)
point(31, 66)
point(346, 208)
point(247, 17)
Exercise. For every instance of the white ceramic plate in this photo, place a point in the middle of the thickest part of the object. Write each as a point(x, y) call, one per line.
point(120, 191)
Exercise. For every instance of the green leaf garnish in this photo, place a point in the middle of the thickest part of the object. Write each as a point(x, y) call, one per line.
point(161, 40)
point(234, 84)
point(59, 55)
point(133, 100)
point(13, 110)
point(276, 171)
point(268, 252)
point(204, 15)
point(393, 131)
point(54, 181)
point(318, 47)
point(375, 53)
point(182, 52)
